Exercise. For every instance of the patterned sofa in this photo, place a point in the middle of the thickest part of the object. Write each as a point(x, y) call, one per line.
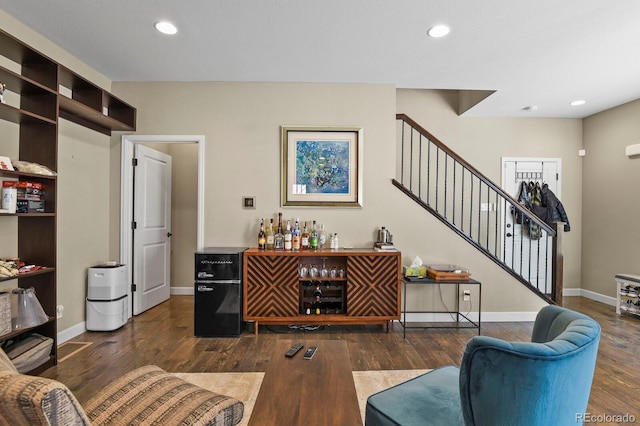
point(147, 395)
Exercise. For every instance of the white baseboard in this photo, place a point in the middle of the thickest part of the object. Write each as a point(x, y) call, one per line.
point(80, 328)
point(71, 332)
point(182, 291)
point(473, 316)
point(607, 300)
point(571, 291)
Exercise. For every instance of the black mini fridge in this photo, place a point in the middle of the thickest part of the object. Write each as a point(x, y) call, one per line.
point(218, 292)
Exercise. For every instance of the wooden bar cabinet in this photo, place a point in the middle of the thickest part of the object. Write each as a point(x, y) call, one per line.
point(361, 286)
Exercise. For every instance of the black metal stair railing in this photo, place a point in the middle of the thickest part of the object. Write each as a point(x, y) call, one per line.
point(478, 210)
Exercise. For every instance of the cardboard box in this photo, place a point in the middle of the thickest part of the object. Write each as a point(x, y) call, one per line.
point(25, 190)
point(30, 206)
point(414, 271)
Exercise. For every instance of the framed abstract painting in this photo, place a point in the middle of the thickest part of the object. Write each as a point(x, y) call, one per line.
point(321, 166)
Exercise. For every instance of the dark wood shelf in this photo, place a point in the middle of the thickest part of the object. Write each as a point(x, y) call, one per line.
point(20, 331)
point(84, 115)
point(21, 116)
point(45, 270)
point(88, 103)
point(20, 84)
point(17, 174)
point(322, 279)
point(29, 214)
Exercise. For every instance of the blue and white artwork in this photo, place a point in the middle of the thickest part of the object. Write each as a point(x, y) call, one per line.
point(322, 167)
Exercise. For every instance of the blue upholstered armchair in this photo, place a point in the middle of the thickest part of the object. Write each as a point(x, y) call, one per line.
point(543, 382)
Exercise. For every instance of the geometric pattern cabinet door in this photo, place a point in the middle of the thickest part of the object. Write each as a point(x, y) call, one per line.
point(372, 286)
point(271, 286)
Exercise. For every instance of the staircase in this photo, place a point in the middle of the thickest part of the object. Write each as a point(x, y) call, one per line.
point(479, 211)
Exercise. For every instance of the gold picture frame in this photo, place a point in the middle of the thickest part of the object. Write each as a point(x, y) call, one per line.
point(321, 166)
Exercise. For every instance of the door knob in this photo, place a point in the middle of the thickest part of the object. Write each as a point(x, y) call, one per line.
point(169, 234)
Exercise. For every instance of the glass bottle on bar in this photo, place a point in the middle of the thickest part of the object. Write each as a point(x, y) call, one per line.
point(270, 236)
point(304, 240)
point(322, 238)
point(262, 237)
point(288, 237)
point(279, 238)
point(313, 238)
point(295, 236)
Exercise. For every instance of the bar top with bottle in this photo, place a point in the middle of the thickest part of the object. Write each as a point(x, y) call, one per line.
point(254, 251)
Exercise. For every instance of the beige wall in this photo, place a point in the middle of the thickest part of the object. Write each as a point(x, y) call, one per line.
point(83, 214)
point(184, 212)
point(611, 200)
point(241, 124)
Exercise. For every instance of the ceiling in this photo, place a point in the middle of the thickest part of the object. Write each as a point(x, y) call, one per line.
point(543, 53)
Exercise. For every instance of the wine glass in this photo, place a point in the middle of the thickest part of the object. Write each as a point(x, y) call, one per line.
point(324, 272)
point(313, 271)
point(333, 273)
point(303, 270)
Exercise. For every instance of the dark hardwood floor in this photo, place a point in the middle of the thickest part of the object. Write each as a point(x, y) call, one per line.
point(164, 336)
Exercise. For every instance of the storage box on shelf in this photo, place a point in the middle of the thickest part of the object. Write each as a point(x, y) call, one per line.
point(37, 82)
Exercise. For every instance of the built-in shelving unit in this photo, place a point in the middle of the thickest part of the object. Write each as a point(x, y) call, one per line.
point(47, 91)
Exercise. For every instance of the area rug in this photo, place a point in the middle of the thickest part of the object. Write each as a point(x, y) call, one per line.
point(245, 386)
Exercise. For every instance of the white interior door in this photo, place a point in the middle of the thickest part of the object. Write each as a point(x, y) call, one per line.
point(527, 256)
point(152, 229)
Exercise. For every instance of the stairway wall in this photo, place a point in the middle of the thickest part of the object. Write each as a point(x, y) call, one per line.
point(483, 141)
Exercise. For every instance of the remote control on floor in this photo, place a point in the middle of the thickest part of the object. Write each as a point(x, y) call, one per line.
point(310, 352)
point(294, 349)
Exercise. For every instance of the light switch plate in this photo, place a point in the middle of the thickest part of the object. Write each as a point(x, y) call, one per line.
point(249, 202)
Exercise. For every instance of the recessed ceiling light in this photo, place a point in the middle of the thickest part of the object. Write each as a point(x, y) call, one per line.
point(166, 27)
point(578, 102)
point(438, 31)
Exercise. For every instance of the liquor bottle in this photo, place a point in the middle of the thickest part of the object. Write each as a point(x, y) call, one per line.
point(271, 238)
point(295, 237)
point(288, 237)
point(304, 241)
point(313, 238)
point(322, 238)
point(335, 241)
point(279, 238)
point(262, 237)
point(332, 243)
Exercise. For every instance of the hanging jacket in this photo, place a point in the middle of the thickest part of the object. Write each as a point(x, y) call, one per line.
point(554, 209)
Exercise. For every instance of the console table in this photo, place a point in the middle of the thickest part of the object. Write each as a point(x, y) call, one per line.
point(459, 286)
point(367, 291)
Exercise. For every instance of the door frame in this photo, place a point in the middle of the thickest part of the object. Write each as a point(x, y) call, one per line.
point(126, 192)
